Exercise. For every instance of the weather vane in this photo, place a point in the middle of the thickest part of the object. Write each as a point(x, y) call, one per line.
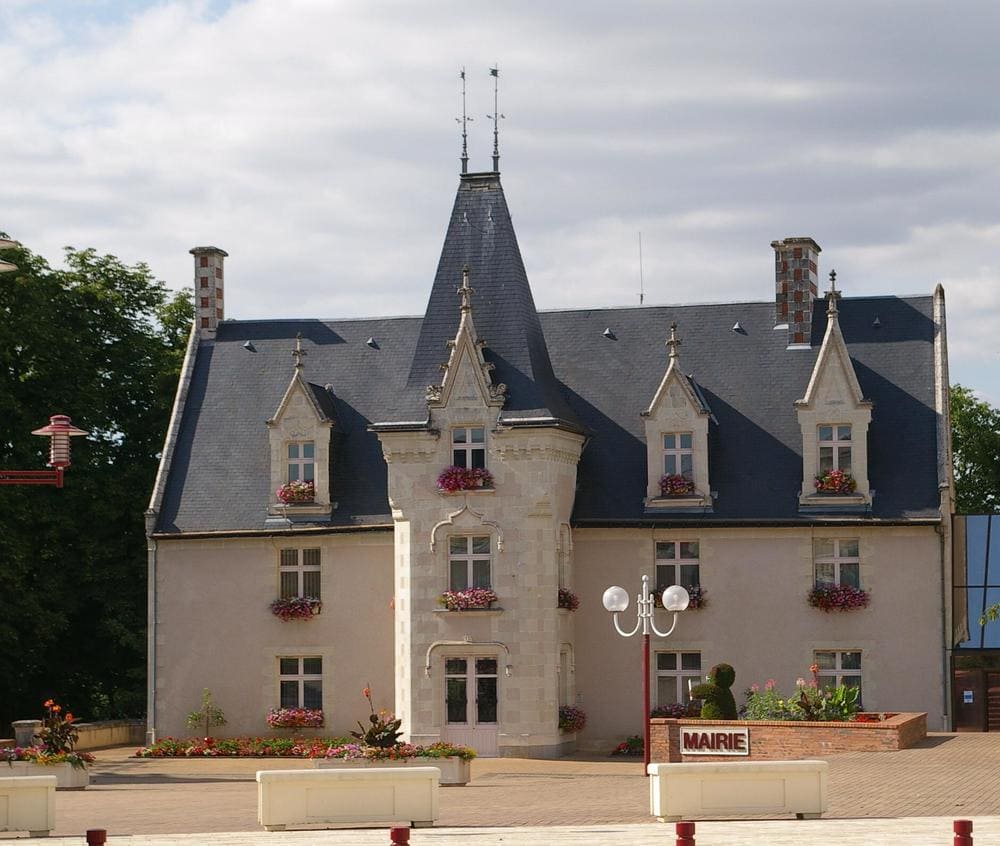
point(496, 116)
point(464, 119)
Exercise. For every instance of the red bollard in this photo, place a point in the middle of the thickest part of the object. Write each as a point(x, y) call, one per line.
point(963, 832)
point(685, 833)
point(399, 836)
point(97, 836)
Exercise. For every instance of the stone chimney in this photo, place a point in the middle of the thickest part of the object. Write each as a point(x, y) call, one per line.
point(796, 280)
point(209, 283)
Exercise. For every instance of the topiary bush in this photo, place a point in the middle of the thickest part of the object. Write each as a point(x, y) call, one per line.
point(716, 696)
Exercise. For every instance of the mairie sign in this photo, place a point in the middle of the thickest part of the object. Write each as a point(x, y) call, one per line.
point(715, 741)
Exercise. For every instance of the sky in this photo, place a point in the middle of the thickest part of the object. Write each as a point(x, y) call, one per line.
point(316, 142)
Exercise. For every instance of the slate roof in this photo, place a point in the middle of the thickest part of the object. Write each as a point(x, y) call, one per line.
point(557, 365)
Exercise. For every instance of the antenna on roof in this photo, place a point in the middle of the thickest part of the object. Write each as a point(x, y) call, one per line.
point(464, 119)
point(495, 73)
point(642, 287)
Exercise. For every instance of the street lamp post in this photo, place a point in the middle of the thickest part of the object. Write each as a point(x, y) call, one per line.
point(675, 599)
point(59, 431)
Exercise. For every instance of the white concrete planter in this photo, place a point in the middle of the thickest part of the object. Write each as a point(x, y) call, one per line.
point(28, 804)
point(67, 776)
point(455, 772)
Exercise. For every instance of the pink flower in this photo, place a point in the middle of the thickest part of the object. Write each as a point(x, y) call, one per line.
point(755, 688)
point(769, 684)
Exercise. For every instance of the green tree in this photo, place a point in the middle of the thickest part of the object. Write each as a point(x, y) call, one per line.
point(975, 439)
point(99, 341)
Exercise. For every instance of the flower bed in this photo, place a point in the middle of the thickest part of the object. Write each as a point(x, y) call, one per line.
point(295, 492)
point(630, 746)
point(38, 755)
point(453, 479)
point(571, 718)
point(836, 482)
point(334, 748)
point(568, 600)
point(296, 608)
point(838, 597)
point(295, 718)
point(673, 484)
point(54, 754)
point(465, 600)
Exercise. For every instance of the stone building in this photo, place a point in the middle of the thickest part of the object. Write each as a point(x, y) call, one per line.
point(681, 442)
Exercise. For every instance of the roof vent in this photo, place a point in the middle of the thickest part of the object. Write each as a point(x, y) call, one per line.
point(876, 322)
point(738, 328)
point(611, 336)
point(372, 343)
point(249, 347)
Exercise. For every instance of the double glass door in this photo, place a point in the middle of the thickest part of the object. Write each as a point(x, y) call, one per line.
point(471, 703)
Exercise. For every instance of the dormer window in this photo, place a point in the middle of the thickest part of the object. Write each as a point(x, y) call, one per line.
point(301, 461)
point(835, 448)
point(678, 455)
point(468, 447)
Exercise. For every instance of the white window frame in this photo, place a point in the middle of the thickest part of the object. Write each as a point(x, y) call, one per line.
point(470, 559)
point(835, 676)
point(678, 453)
point(838, 559)
point(300, 677)
point(684, 680)
point(838, 447)
point(299, 562)
point(302, 465)
point(676, 563)
point(465, 450)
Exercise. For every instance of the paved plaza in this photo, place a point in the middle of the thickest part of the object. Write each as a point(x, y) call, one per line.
point(887, 798)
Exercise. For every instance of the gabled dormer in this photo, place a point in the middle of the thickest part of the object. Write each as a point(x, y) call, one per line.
point(299, 437)
point(834, 417)
point(676, 424)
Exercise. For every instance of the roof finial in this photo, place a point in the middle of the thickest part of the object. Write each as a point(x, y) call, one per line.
point(832, 295)
point(464, 119)
point(495, 73)
point(298, 353)
point(673, 341)
point(466, 291)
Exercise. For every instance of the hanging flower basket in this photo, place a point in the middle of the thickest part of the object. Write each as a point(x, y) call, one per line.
point(295, 718)
point(571, 718)
point(568, 600)
point(673, 484)
point(296, 492)
point(838, 597)
point(696, 595)
point(835, 482)
point(466, 600)
point(296, 608)
point(454, 479)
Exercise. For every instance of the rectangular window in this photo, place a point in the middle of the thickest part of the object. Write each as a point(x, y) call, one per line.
point(301, 461)
point(836, 668)
point(299, 573)
point(677, 564)
point(468, 448)
point(457, 689)
point(834, 448)
point(301, 682)
point(469, 562)
point(837, 562)
point(678, 456)
point(676, 674)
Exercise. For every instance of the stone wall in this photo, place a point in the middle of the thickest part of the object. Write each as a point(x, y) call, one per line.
point(787, 741)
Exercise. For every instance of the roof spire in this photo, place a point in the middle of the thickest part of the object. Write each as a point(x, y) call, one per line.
point(464, 119)
point(298, 353)
point(466, 291)
point(832, 295)
point(495, 73)
point(673, 341)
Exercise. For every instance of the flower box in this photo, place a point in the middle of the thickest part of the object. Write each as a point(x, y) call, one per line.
point(296, 492)
point(673, 484)
point(295, 718)
point(571, 718)
point(838, 597)
point(835, 482)
point(296, 608)
point(467, 600)
point(568, 600)
point(454, 479)
point(68, 777)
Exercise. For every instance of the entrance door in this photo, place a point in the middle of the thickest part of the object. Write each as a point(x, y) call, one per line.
point(470, 703)
point(969, 698)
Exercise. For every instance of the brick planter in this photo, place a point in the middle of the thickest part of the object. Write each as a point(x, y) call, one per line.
point(788, 741)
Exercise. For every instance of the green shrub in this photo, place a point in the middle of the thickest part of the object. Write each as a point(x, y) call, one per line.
point(717, 698)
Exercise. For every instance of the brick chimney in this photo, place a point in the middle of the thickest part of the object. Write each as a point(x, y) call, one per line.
point(209, 283)
point(796, 280)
